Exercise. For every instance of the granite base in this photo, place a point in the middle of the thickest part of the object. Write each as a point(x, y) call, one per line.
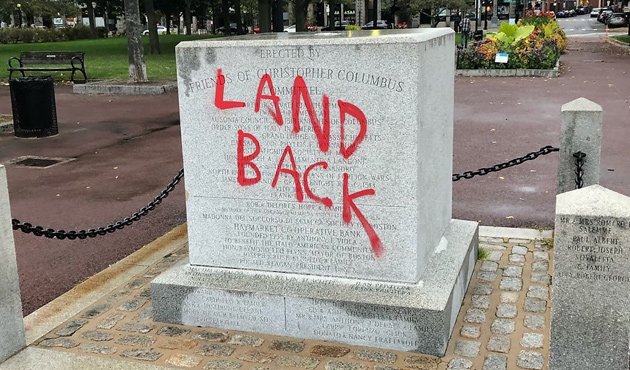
point(410, 317)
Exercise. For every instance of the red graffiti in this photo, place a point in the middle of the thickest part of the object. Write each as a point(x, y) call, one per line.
point(322, 134)
point(322, 131)
point(307, 189)
point(219, 102)
point(353, 110)
point(276, 114)
point(289, 171)
point(243, 160)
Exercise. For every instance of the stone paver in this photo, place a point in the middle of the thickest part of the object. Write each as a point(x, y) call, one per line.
point(530, 360)
point(467, 348)
point(534, 322)
point(470, 331)
point(503, 326)
point(507, 295)
point(460, 364)
point(499, 343)
point(475, 316)
point(516, 259)
point(532, 340)
point(535, 305)
point(506, 311)
point(495, 362)
point(519, 249)
point(511, 284)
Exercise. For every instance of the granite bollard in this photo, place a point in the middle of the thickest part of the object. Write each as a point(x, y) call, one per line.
point(318, 187)
point(12, 327)
point(591, 303)
point(581, 132)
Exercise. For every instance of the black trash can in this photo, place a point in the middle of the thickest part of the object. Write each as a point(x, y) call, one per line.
point(34, 108)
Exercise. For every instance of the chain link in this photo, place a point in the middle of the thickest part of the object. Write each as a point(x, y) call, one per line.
point(27, 228)
point(501, 166)
point(579, 169)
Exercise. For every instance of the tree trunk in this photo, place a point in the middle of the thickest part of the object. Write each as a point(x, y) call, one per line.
point(90, 10)
point(133, 28)
point(216, 16)
point(264, 15)
point(152, 27)
point(168, 22)
point(277, 12)
point(187, 17)
point(225, 16)
point(239, 16)
point(300, 23)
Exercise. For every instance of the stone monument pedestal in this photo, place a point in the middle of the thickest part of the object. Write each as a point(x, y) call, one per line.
point(408, 317)
point(319, 189)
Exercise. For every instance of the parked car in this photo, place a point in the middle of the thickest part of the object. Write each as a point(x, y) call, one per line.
point(617, 20)
point(595, 12)
point(337, 27)
point(604, 15)
point(291, 28)
point(381, 23)
point(160, 30)
point(233, 30)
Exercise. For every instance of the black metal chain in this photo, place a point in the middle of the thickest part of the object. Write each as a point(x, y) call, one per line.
point(501, 166)
point(579, 169)
point(92, 233)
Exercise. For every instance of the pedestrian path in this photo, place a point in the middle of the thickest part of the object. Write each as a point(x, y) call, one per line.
point(106, 322)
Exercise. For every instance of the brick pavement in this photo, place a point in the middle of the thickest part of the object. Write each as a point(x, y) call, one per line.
point(503, 324)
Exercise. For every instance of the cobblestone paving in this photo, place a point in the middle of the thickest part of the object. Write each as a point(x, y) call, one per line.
point(504, 321)
point(503, 324)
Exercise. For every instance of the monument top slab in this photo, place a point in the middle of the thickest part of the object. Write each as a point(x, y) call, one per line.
point(306, 154)
point(594, 200)
point(325, 38)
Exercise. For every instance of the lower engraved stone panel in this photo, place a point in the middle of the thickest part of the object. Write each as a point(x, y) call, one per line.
point(229, 309)
point(409, 317)
point(369, 325)
point(308, 238)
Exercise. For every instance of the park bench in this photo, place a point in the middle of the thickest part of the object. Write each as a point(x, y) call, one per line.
point(53, 61)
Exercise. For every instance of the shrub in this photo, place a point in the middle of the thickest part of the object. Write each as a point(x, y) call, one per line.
point(101, 32)
point(535, 43)
point(26, 35)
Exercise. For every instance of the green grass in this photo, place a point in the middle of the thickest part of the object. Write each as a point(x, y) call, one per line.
point(623, 38)
point(482, 253)
point(107, 58)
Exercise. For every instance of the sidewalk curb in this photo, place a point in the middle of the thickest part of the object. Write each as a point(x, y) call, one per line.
point(122, 88)
point(78, 298)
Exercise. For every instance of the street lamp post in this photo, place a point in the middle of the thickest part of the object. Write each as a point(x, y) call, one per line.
point(19, 11)
point(476, 15)
point(485, 14)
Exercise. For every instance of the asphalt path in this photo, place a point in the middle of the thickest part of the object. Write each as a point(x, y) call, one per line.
point(581, 25)
point(126, 149)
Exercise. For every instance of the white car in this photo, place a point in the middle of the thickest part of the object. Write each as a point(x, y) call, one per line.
point(379, 24)
point(160, 30)
point(595, 12)
point(291, 28)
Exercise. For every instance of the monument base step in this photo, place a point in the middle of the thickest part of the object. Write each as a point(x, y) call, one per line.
point(408, 317)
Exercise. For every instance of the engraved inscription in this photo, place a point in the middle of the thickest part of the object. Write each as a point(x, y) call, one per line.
point(596, 249)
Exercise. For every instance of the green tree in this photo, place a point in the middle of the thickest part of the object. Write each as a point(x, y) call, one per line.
point(135, 51)
point(154, 40)
point(435, 6)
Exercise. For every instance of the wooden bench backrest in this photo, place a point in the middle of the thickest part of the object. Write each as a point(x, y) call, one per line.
point(49, 57)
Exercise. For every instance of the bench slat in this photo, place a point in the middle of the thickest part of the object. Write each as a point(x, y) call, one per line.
point(54, 60)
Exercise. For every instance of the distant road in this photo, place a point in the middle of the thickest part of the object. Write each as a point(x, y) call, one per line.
point(582, 25)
